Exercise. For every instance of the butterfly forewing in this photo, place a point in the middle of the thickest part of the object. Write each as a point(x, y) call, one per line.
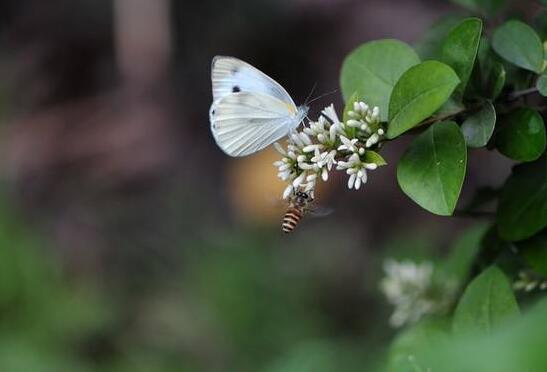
point(231, 75)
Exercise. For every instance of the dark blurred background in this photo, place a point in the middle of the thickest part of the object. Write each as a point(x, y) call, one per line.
point(130, 242)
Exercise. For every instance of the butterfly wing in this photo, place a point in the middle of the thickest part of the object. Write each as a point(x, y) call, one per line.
point(245, 122)
point(231, 75)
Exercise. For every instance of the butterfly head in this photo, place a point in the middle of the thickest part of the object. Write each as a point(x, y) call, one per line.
point(301, 113)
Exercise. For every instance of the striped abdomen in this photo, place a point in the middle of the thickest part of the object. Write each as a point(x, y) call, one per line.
point(291, 219)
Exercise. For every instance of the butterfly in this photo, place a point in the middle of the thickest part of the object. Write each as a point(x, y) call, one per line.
point(250, 110)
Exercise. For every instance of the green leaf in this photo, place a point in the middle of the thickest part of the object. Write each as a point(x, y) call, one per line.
point(478, 128)
point(463, 253)
point(432, 170)
point(522, 135)
point(517, 347)
point(419, 93)
point(519, 44)
point(522, 209)
point(429, 46)
point(460, 50)
point(487, 7)
point(374, 157)
point(487, 302)
point(495, 77)
point(534, 251)
point(372, 70)
point(406, 350)
point(489, 75)
point(541, 85)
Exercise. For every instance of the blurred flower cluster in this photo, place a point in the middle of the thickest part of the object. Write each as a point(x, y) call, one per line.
point(348, 144)
point(529, 281)
point(414, 291)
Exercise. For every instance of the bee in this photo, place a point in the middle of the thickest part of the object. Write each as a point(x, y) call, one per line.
point(300, 204)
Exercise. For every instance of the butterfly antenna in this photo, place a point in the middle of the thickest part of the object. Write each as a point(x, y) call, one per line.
point(307, 101)
point(323, 95)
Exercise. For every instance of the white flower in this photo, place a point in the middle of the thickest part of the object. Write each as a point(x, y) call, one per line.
point(331, 114)
point(347, 144)
point(411, 289)
point(356, 169)
point(312, 152)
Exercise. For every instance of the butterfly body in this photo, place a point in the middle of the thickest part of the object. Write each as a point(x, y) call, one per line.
point(250, 110)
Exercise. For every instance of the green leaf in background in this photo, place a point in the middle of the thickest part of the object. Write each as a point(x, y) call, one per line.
point(457, 264)
point(372, 70)
point(419, 93)
point(406, 350)
point(489, 74)
point(540, 22)
point(432, 170)
point(541, 85)
point(494, 79)
point(519, 44)
point(534, 251)
point(478, 128)
point(460, 50)
point(487, 302)
point(429, 46)
point(487, 7)
point(522, 209)
point(521, 135)
point(518, 346)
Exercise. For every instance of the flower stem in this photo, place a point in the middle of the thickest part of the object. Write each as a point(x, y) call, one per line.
point(521, 93)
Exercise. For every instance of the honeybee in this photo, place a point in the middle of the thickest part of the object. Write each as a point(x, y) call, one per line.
point(300, 204)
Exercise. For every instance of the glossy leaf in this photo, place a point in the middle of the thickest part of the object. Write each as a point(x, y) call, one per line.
point(478, 128)
point(374, 157)
point(487, 303)
point(522, 135)
point(522, 209)
point(460, 50)
point(372, 70)
point(432, 170)
point(421, 91)
point(542, 85)
point(519, 44)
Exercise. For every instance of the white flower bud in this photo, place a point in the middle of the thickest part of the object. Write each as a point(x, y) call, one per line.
point(298, 180)
point(351, 181)
point(325, 174)
point(305, 138)
point(280, 149)
point(287, 192)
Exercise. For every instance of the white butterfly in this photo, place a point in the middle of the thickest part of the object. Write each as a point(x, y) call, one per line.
point(250, 110)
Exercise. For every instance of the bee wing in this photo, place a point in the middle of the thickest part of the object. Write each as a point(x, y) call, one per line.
point(319, 211)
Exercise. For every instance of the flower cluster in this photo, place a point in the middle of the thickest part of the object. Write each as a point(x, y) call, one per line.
point(529, 281)
point(412, 289)
point(328, 142)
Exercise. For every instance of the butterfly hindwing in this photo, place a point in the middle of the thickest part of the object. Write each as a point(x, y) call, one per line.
point(243, 123)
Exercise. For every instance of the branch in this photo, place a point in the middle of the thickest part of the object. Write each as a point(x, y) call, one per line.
point(521, 93)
